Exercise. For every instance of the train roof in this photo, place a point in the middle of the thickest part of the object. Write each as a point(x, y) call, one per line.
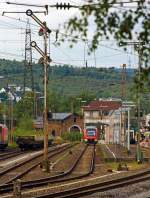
point(90, 127)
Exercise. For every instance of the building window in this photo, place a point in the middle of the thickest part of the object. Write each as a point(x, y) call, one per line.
point(105, 113)
point(74, 119)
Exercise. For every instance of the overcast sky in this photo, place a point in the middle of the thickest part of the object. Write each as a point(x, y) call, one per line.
point(12, 38)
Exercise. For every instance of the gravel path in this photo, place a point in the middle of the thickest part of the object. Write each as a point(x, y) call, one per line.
point(139, 190)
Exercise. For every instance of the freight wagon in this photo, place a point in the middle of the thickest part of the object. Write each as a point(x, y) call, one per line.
point(32, 141)
point(3, 136)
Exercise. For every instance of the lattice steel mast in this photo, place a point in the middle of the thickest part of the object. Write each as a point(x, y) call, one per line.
point(123, 82)
point(28, 69)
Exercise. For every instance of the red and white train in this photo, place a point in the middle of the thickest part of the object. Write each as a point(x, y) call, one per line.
point(90, 134)
point(3, 136)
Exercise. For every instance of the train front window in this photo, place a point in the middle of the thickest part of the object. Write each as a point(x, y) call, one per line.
point(91, 132)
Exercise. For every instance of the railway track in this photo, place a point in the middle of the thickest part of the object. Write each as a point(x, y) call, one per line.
point(85, 190)
point(57, 178)
point(88, 166)
point(8, 151)
point(8, 175)
point(82, 189)
point(6, 156)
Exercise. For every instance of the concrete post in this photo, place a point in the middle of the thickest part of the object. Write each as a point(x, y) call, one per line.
point(17, 189)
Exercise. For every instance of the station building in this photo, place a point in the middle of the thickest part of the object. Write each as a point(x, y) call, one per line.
point(109, 117)
point(59, 123)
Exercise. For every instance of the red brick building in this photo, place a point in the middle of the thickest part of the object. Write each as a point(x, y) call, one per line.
point(59, 123)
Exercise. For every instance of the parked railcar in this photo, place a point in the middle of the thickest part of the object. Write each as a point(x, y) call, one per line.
point(31, 142)
point(3, 136)
point(90, 134)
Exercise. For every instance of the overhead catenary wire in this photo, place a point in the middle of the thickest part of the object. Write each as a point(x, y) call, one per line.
point(93, 59)
point(74, 60)
point(100, 45)
point(64, 53)
point(66, 35)
point(55, 62)
point(62, 5)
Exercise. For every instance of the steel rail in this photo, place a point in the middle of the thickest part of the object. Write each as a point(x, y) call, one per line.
point(91, 169)
point(8, 151)
point(9, 155)
point(23, 162)
point(99, 187)
point(38, 163)
point(35, 183)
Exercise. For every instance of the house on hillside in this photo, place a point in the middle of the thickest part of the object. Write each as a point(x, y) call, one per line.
point(147, 120)
point(59, 123)
point(109, 117)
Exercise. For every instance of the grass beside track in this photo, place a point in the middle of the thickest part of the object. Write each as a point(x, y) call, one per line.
point(133, 165)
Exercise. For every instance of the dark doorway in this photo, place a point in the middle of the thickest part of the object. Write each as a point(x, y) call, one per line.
point(74, 129)
point(53, 133)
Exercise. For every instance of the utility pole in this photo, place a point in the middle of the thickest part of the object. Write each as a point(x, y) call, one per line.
point(12, 120)
point(45, 102)
point(139, 151)
point(128, 134)
point(45, 59)
point(123, 94)
point(137, 46)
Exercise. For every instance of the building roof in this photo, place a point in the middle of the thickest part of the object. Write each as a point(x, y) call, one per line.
point(106, 105)
point(60, 116)
point(55, 116)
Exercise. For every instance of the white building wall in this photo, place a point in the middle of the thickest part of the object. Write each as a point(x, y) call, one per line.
point(113, 130)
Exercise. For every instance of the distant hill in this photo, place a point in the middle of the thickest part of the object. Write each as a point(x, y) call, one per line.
point(68, 80)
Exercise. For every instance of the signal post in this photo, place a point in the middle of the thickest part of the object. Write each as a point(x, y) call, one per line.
point(45, 59)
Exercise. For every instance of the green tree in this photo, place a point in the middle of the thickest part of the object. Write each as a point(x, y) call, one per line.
point(25, 123)
point(111, 19)
point(25, 106)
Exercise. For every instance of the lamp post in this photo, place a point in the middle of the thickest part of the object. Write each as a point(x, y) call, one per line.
point(139, 151)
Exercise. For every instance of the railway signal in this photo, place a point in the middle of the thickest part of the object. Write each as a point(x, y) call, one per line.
point(43, 31)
